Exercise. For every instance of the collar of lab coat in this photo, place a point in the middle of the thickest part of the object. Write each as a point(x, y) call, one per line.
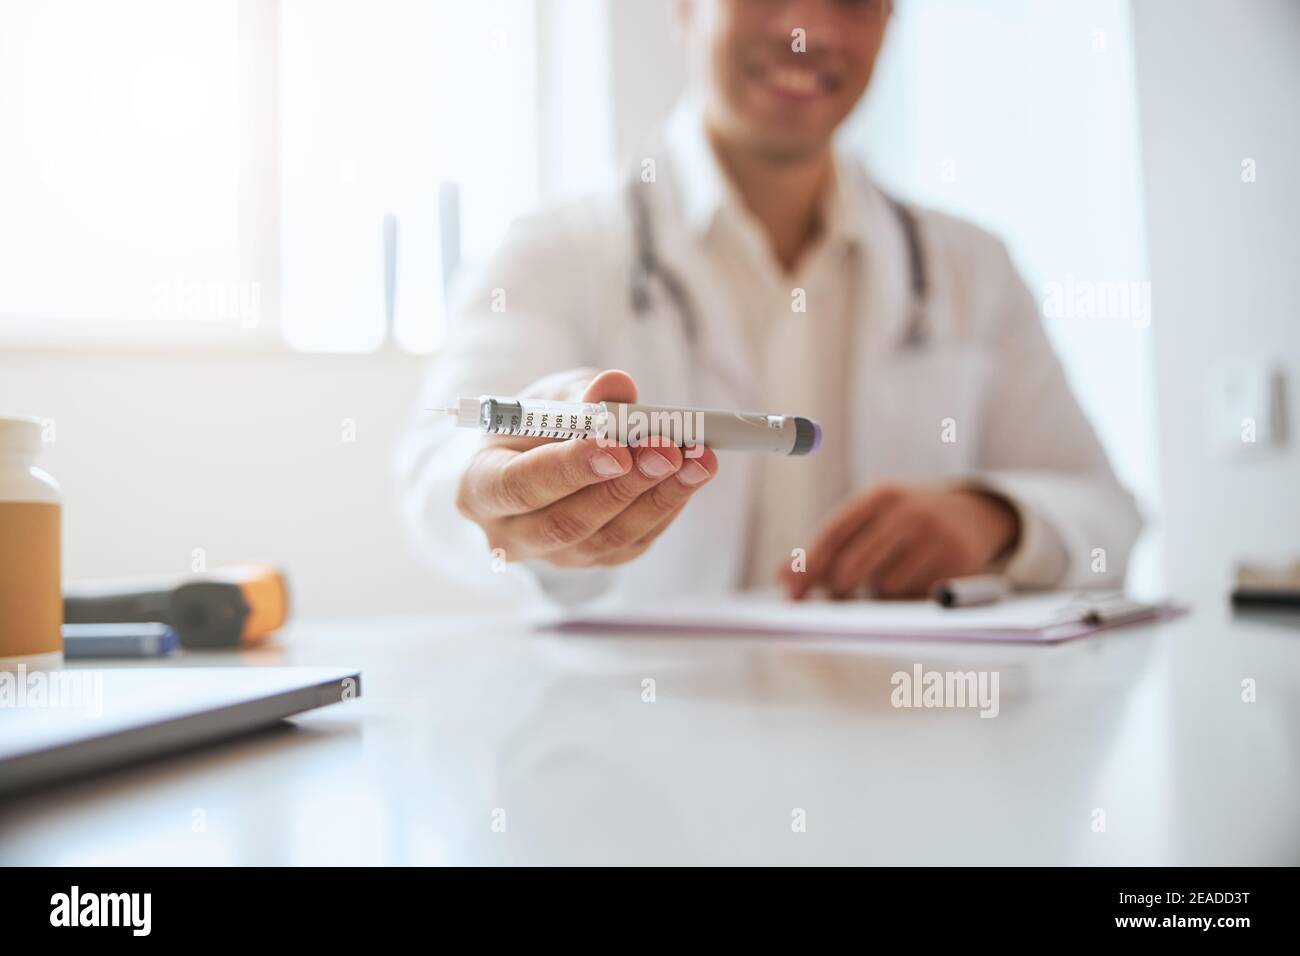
point(706, 192)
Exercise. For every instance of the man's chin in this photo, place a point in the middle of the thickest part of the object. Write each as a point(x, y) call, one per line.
point(777, 139)
point(791, 137)
point(785, 147)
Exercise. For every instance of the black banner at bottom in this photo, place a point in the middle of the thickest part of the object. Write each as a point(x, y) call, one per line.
point(304, 905)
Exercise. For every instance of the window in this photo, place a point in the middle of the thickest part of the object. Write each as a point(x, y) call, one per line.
point(398, 119)
point(306, 171)
point(119, 175)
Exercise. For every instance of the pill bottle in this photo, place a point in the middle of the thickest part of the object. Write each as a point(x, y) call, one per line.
point(31, 591)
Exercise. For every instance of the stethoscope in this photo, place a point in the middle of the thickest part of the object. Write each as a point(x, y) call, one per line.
point(647, 267)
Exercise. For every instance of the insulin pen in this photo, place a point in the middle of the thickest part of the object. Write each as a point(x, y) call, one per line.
point(627, 424)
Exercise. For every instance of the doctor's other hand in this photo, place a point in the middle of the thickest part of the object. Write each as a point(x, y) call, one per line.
point(898, 541)
point(579, 503)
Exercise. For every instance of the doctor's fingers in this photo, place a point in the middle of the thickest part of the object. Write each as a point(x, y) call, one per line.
point(500, 481)
point(631, 532)
point(568, 523)
point(842, 526)
point(916, 573)
point(579, 557)
point(873, 551)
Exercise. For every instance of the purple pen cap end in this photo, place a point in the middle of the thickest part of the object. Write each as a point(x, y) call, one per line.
point(807, 436)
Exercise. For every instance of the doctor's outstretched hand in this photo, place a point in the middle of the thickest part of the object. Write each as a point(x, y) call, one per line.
point(898, 541)
point(578, 503)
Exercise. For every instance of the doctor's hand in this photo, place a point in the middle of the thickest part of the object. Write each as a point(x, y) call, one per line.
point(898, 541)
point(578, 503)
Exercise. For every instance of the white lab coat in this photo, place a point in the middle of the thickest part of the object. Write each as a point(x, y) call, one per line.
point(556, 296)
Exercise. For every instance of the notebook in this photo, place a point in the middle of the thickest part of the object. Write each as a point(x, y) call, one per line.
point(1035, 618)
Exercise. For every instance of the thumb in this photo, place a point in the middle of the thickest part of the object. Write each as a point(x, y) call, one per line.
point(612, 385)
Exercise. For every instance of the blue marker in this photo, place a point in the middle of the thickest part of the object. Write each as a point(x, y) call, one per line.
point(118, 640)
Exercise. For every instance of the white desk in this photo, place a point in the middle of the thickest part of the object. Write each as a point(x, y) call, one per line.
point(462, 716)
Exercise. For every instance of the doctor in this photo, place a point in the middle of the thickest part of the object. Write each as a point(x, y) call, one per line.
point(748, 264)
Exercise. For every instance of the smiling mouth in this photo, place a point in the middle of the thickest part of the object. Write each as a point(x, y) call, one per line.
point(794, 82)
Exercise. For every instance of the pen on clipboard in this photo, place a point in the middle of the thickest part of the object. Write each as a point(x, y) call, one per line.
point(972, 591)
point(1113, 609)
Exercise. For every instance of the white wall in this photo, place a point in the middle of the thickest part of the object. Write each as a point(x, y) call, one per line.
point(1218, 84)
point(649, 71)
point(241, 454)
point(576, 137)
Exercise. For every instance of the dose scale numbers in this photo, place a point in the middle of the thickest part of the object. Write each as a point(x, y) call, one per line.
point(540, 419)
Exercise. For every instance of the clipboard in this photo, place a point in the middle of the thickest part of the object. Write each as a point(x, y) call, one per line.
point(1042, 618)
